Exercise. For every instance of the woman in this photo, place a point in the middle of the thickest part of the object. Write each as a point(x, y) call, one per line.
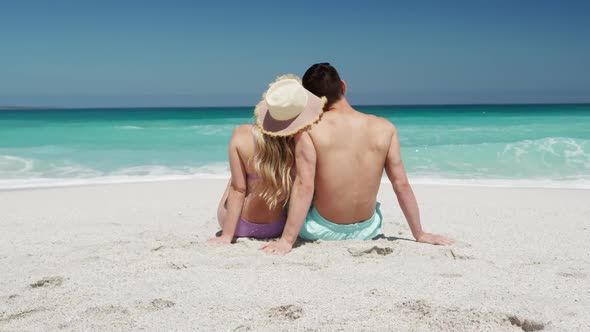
point(261, 158)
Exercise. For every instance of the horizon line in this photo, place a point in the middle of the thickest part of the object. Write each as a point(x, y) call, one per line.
point(32, 108)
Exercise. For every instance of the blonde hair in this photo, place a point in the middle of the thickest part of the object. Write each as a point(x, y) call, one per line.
point(273, 162)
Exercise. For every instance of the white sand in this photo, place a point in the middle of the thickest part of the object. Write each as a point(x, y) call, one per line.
point(132, 256)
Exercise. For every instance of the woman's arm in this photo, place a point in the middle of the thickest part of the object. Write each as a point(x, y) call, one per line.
point(236, 192)
point(222, 207)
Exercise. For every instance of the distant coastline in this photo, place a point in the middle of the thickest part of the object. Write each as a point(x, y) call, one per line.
point(16, 108)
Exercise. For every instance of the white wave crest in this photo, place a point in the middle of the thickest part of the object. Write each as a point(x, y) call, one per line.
point(571, 151)
point(130, 127)
point(214, 129)
point(503, 183)
point(15, 164)
point(71, 174)
point(72, 170)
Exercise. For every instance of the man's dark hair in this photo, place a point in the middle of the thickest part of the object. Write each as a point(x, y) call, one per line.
point(323, 80)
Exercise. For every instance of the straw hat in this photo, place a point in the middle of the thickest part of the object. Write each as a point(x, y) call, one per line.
point(287, 107)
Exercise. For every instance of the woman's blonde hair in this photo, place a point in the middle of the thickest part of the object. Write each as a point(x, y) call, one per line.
point(273, 162)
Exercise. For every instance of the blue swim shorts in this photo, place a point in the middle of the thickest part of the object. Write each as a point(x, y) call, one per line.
point(317, 227)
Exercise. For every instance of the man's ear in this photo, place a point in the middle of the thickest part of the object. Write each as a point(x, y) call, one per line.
point(343, 87)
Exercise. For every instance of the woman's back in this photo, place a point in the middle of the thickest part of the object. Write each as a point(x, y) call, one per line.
point(255, 208)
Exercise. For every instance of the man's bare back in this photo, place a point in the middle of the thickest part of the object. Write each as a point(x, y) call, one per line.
point(351, 150)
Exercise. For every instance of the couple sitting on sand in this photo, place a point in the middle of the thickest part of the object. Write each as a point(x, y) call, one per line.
point(311, 167)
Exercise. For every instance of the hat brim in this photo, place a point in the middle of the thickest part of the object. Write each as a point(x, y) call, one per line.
point(310, 115)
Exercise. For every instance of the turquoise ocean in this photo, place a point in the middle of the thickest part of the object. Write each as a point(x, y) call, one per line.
point(494, 145)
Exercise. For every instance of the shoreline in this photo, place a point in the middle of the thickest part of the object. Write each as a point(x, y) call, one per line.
point(48, 183)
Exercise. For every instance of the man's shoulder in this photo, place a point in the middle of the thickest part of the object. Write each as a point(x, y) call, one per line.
point(381, 123)
point(371, 121)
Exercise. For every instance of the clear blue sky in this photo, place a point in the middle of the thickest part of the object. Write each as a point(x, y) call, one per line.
point(154, 53)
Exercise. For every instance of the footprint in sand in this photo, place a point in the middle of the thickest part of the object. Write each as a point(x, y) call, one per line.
point(375, 250)
point(575, 275)
point(158, 248)
point(289, 312)
point(177, 266)
point(48, 282)
point(455, 256)
point(416, 307)
point(442, 317)
point(20, 315)
point(156, 305)
point(159, 304)
point(525, 324)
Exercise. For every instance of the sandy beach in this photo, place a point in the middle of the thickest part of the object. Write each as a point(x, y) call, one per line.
point(134, 257)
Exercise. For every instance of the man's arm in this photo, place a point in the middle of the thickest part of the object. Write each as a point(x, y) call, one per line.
point(405, 195)
point(236, 193)
point(301, 194)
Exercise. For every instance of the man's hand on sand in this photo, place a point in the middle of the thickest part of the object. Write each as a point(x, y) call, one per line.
point(279, 247)
point(220, 240)
point(438, 240)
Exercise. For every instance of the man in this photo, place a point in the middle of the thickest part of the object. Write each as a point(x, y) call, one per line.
point(340, 162)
